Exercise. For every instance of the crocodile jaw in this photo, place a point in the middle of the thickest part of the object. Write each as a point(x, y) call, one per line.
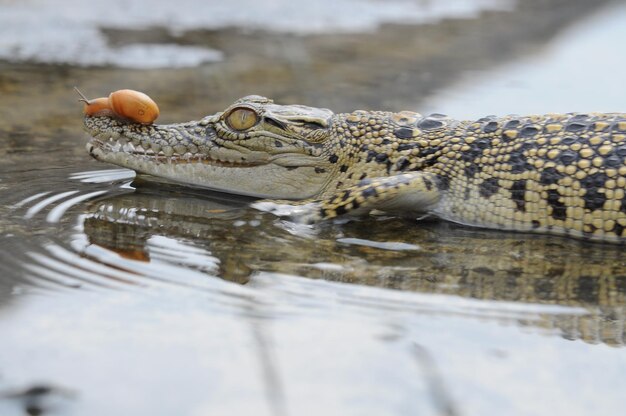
point(189, 154)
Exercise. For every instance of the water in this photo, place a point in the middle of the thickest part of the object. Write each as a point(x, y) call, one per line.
point(119, 295)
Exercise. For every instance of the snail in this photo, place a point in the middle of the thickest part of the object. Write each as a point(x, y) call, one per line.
point(126, 104)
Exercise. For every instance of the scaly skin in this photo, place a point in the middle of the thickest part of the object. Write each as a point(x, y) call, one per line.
point(557, 174)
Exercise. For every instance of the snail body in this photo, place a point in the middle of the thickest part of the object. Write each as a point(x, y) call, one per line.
point(129, 105)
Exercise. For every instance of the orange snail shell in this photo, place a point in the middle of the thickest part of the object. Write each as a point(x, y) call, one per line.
point(128, 104)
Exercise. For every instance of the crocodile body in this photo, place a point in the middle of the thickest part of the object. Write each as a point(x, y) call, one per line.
point(558, 173)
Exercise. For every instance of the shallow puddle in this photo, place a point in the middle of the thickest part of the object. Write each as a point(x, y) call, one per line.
point(121, 295)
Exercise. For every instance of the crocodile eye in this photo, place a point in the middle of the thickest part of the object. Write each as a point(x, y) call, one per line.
point(242, 119)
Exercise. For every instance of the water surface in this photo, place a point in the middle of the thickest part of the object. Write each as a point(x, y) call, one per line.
point(119, 295)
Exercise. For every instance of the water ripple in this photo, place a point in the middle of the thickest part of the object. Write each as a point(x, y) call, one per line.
point(57, 212)
point(32, 211)
point(103, 176)
point(30, 199)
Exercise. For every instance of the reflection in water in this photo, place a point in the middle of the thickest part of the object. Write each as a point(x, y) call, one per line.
point(208, 233)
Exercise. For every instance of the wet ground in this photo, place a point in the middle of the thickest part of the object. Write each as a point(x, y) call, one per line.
point(122, 296)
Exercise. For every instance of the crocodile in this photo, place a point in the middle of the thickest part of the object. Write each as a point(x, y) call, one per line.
point(562, 174)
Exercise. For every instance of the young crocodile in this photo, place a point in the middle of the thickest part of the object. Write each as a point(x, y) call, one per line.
point(557, 173)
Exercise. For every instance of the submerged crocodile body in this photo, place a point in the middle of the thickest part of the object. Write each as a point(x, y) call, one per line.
point(558, 173)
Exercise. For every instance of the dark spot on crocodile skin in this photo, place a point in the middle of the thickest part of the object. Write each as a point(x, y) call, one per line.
point(428, 151)
point(535, 224)
point(355, 204)
point(588, 289)
point(482, 143)
point(512, 124)
point(323, 213)
point(370, 192)
point(618, 229)
point(443, 183)
point(428, 183)
point(319, 170)
point(333, 158)
point(290, 168)
point(519, 162)
point(466, 194)
point(527, 145)
point(471, 154)
point(470, 170)
point(403, 133)
point(340, 210)
point(370, 156)
point(343, 168)
point(613, 161)
point(575, 127)
point(490, 127)
point(567, 157)
point(345, 195)
point(408, 146)
point(363, 176)
point(488, 187)
point(382, 157)
point(579, 117)
point(621, 151)
point(559, 210)
point(476, 150)
point(430, 124)
point(569, 140)
point(518, 190)
point(386, 141)
point(528, 131)
point(615, 125)
point(550, 176)
point(592, 183)
point(402, 164)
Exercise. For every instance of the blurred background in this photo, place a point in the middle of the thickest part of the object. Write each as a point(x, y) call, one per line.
point(122, 299)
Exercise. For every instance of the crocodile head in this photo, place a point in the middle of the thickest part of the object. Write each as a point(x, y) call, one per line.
point(254, 147)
